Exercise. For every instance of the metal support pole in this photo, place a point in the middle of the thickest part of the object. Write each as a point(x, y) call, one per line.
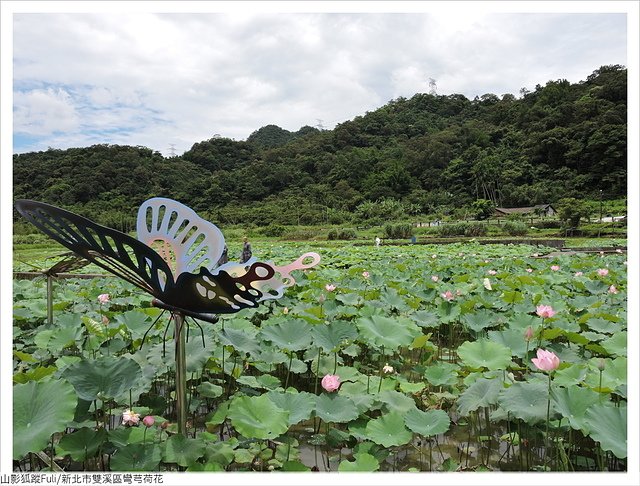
point(49, 300)
point(181, 373)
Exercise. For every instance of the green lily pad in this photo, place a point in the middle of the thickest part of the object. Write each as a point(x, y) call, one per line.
point(332, 336)
point(396, 401)
point(608, 425)
point(300, 405)
point(105, 377)
point(485, 354)
point(258, 417)
point(336, 408)
point(429, 423)
point(526, 401)
point(442, 373)
point(267, 382)
point(573, 402)
point(39, 410)
point(292, 335)
point(57, 339)
point(388, 430)
point(481, 393)
point(81, 444)
point(122, 436)
point(135, 321)
point(364, 462)
point(209, 390)
point(240, 340)
point(479, 321)
point(136, 457)
point(616, 344)
point(385, 332)
point(569, 376)
point(182, 450)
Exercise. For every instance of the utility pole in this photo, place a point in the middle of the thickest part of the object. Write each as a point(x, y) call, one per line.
point(319, 125)
point(172, 150)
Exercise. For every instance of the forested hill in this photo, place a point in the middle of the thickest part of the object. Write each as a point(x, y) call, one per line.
point(428, 152)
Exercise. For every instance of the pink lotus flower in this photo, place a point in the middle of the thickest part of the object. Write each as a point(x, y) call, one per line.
point(129, 417)
point(603, 272)
point(285, 310)
point(148, 421)
point(365, 274)
point(105, 320)
point(613, 289)
point(546, 360)
point(434, 278)
point(579, 274)
point(434, 256)
point(555, 268)
point(529, 270)
point(528, 334)
point(545, 311)
point(492, 272)
point(331, 383)
point(448, 296)
point(103, 298)
point(329, 287)
point(387, 369)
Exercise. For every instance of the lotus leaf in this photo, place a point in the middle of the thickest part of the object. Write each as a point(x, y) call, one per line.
point(291, 335)
point(105, 377)
point(182, 450)
point(136, 457)
point(388, 430)
point(608, 425)
point(573, 402)
point(39, 410)
point(334, 335)
point(363, 463)
point(82, 444)
point(258, 417)
point(385, 332)
point(300, 405)
point(481, 393)
point(526, 401)
point(336, 408)
point(429, 423)
point(485, 354)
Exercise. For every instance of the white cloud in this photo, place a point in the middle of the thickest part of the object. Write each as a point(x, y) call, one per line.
point(155, 79)
point(44, 112)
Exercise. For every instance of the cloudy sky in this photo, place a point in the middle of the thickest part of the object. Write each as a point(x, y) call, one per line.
point(158, 80)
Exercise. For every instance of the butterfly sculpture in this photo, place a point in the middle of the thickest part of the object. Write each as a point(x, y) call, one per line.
point(183, 275)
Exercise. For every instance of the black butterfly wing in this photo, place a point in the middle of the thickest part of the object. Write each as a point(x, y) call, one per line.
point(218, 292)
point(116, 252)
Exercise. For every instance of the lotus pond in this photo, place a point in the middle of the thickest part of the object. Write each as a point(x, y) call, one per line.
point(429, 348)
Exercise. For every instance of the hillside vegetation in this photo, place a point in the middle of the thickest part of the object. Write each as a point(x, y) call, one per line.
point(425, 155)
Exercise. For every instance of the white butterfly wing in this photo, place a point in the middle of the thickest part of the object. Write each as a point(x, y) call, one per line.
point(187, 242)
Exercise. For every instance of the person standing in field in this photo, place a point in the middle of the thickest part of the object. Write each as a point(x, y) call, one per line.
point(378, 241)
point(246, 250)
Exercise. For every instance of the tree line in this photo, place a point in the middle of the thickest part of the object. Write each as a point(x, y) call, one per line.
point(427, 154)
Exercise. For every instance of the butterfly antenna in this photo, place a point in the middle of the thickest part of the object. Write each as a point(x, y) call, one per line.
point(150, 327)
point(201, 331)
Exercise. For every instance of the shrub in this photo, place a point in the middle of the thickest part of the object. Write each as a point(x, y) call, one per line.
point(342, 234)
point(398, 231)
point(463, 229)
point(515, 228)
point(274, 230)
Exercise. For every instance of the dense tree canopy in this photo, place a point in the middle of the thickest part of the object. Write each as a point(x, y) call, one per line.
point(428, 153)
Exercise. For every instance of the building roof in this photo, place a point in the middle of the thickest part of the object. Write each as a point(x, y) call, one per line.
point(525, 210)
